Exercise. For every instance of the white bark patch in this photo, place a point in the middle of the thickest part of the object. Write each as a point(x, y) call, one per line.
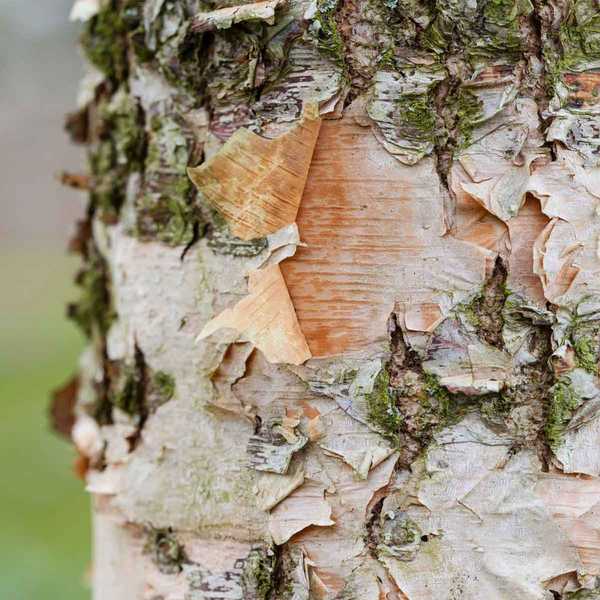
point(507, 140)
point(354, 443)
point(304, 507)
point(346, 380)
point(88, 85)
point(505, 162)
point(117, 550)
point(386, 108)
point(579, 451)
point(84, 10)
point(87, 437)
point(464, 363)
point(482, 532)
point(116, 436)
point(459, 459)
point(520, 321)
point(336, 551)
point(301, 583)
point(183, 473)
point(308, 78)
point(366, 583)
point(126, 566)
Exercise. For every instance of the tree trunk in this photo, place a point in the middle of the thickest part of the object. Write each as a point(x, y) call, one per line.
point(340, 282)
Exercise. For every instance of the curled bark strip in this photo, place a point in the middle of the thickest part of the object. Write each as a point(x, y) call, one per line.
point(256, 183)
point(223, 18)
point(265, 317)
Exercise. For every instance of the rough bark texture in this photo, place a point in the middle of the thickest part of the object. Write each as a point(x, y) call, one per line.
point(341, 286)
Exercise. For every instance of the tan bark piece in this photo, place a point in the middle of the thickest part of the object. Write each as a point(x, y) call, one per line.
point(375, 238)
point(498, 171)
point(566, 188)
point(354, 443)
point(566, 252)
point(471, 221)
point(304, 507)
point(272, 488)
point(574, 502)
point(223, 18)
point(266, 318)
point(231, 369)
point(524, 230)
point(257, 183)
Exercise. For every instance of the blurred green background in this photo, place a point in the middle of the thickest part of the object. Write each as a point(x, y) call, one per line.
point(44, 514)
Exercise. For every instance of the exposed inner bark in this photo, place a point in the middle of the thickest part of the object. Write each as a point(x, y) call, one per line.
point(340, 284)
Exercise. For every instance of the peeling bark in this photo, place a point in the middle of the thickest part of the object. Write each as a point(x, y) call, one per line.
point(341, 287)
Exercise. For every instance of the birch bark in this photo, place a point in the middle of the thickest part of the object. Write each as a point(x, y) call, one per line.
point(341, 286)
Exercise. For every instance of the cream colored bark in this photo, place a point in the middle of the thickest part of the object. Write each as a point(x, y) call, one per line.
point(358, 359)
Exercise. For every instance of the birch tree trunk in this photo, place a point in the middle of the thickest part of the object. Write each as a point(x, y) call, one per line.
point(341, 286)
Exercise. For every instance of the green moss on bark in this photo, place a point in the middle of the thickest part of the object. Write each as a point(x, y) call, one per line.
point(382, 410)
point(166, 209)
point(440, 395)
point(166, 551)
point(164, 384)
point(417, 115)
point(485, 310)
point(580, 36)
point(120, 151)
point(93, 312)
point(562, 403)
point(586, 353)
point(258, 574)
point(105, 39)
point(583, 595)
point(482, 30)
point(329, 38)
point(467, 109)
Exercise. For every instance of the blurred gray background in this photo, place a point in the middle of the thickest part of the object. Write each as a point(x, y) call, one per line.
point(44, 517)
